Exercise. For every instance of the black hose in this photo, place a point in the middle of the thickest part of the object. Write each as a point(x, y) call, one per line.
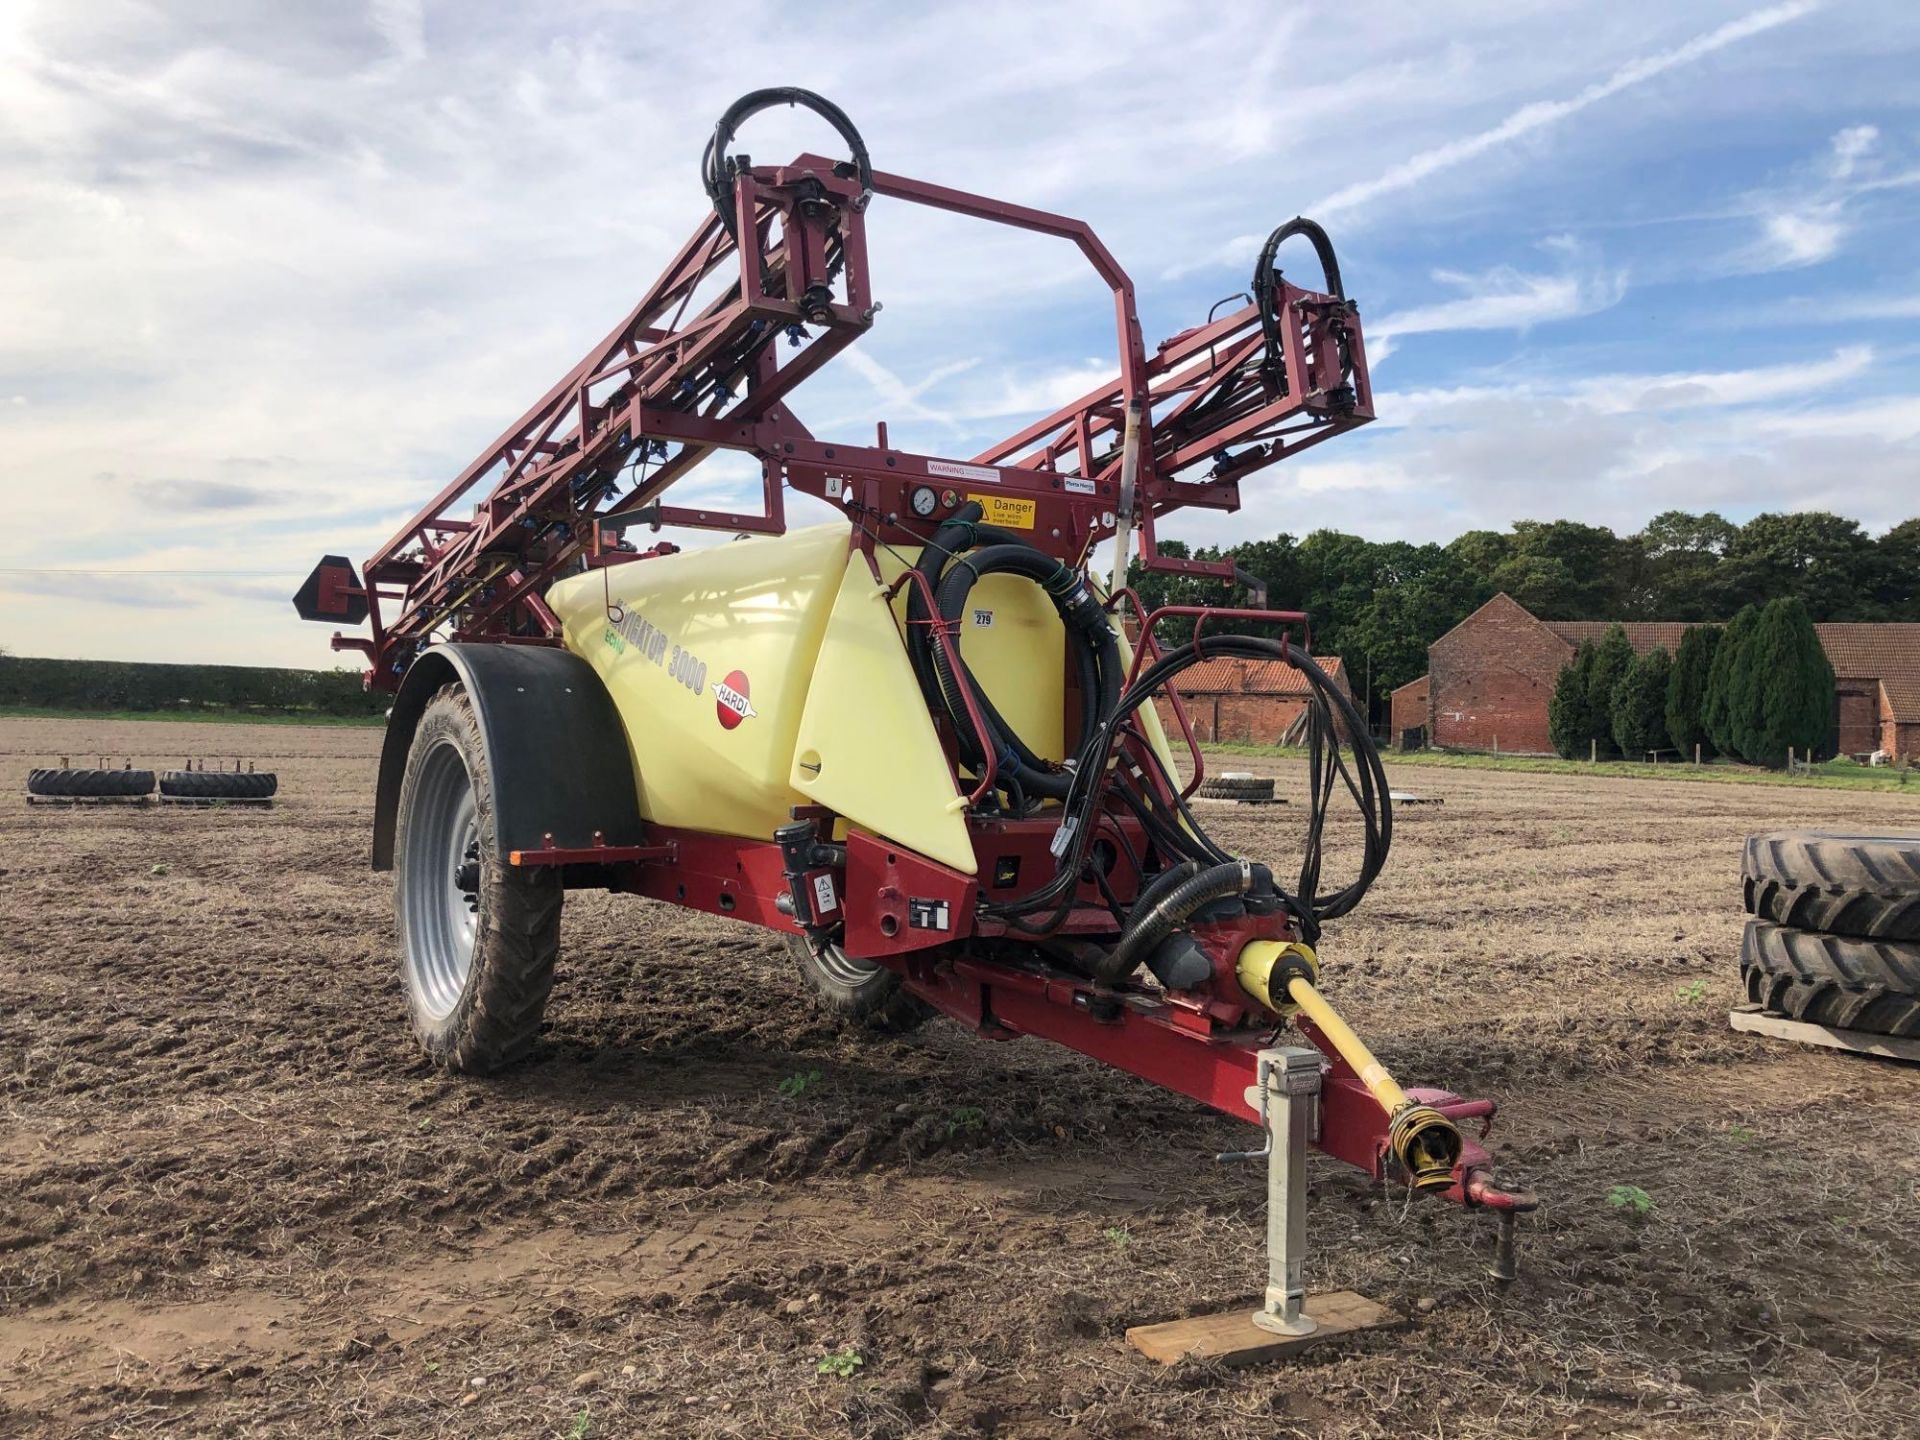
point(716, 172)
point(1097, 654)
point(1266, 290)
point(1330, 708)
point(1154, 918)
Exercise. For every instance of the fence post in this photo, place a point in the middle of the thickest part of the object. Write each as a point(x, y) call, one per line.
point(1696, 754)
point(1593, 752)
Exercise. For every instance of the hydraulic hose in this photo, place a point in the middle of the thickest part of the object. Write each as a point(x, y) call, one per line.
point(1366, 783)
point(1266, 291)
point(1154, 919)
point(1097, 654)
point(716, 169)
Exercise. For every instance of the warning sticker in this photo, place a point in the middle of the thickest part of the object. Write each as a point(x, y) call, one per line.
point(824, 900)
point(954, 470)
point(1006, 511)
point(928, 914)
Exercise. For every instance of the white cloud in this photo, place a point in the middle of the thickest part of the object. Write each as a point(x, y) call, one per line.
point(1849, 147)
point(1804, 237)
point(1541, 113)
point(1505, 299)
point(273, 273)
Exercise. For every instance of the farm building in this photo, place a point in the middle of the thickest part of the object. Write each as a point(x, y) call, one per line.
point(1407, 714)
point(1251, 702)
point(1489, 680)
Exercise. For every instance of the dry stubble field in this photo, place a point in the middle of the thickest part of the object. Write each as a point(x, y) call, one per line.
point(233, 1201)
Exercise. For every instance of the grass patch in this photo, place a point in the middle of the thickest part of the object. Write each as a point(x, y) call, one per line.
point(1832, 776)
point(192, 717)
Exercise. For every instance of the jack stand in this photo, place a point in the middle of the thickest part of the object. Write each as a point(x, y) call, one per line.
point(1289, 1100)
point(1287, 1096)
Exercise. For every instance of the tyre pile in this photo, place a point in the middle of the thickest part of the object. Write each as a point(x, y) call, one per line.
point(179, 787)
point(1247, 789)
point(1834, 937)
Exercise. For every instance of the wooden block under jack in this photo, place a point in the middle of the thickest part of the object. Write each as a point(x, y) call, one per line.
point(1233, 1338)
point(1754, 1019)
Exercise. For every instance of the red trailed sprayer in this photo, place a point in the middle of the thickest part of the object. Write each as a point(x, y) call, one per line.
point(918, 741)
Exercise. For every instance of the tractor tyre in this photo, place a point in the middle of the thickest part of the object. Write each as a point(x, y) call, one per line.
point(1861, 885)
point(1244, 788)
point(478, 937)
point(1833, 980)
point(89, 784)
point(858, 991)
point(219, 784)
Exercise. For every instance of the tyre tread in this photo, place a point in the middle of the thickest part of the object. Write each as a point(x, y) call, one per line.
point(1841, 981)
point(1864, 886)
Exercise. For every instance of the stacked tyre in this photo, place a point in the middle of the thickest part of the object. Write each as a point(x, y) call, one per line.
point(1247, 789)
point(52, 784)
point(1834, 937)
point(218, 785)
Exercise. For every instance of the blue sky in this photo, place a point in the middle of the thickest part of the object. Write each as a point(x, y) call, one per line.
point(271, 273)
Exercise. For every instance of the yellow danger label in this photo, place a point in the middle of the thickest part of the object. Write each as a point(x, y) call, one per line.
point(1006, 511)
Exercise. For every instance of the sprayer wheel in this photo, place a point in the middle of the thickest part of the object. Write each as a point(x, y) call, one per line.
point(478, 937)
point(1862, 885)
point(858, 990)
point(1835, 980)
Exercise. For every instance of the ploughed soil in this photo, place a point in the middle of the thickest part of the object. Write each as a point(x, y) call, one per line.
point(234, 1201)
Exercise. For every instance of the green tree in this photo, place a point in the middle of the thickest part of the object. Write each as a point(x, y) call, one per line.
point(1826, 560)
point(1898, 553)
point(1639, 705)
point(1567, 713)
point(1482, 552)
point(1687, 688)
point(1568, 571)
point(1611, 658)
point(1685, 557)
point(1717, 711)
point(1784, 698)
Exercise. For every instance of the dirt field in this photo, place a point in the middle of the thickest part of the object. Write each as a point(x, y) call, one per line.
point(232, 1200)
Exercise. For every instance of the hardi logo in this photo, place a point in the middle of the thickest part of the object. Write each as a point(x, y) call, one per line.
point(731, 699)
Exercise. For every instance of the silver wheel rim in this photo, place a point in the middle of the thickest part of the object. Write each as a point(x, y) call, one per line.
point(439, 904)
point(842, 968)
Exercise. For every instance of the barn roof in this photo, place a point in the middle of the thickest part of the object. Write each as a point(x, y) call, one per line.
point(1230, 675)
point(1889, 653)
point(1643, 635)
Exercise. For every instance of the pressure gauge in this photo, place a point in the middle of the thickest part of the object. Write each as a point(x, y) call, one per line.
point(923, 500)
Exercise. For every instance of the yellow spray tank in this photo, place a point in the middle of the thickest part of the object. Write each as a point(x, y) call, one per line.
point(754, 676)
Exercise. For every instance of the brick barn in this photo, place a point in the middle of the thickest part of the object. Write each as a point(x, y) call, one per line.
point(1489, 680)
point(1407, 715)
point(1248, 702)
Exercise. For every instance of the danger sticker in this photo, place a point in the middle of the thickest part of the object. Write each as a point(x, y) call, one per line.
point(954, 470)
point(1006, 511)
point(824, 902)
point(732, 699)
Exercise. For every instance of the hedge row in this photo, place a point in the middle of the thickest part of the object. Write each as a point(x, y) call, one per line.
point(121, 685)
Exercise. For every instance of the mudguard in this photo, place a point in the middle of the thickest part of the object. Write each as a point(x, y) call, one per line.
point(555, 750)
